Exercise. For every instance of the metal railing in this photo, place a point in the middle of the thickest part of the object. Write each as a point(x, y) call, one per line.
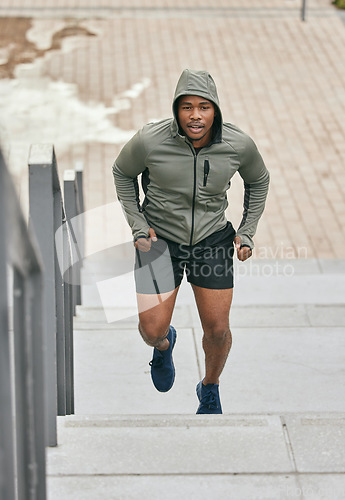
point(40, 267)
point(56, 219)
point(22, 384)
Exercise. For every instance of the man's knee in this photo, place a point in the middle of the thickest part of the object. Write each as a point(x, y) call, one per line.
point(153, 334)
point(217, 333)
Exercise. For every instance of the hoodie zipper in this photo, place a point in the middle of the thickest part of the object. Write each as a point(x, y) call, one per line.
point(194, 194)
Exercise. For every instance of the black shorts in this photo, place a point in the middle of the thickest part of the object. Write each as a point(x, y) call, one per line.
point(208, 264)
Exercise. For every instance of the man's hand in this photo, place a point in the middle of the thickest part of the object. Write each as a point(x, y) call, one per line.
point(242, 253)
point(144, 244)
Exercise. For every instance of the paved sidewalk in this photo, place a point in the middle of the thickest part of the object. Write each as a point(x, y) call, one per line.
point(92, 76)
point(282, 432)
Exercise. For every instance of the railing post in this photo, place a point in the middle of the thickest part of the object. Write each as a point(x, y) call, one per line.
point(79, 170)
point(36, 318)
point(74, 224)
point(303, 10)
point(21, 372)
point(60, 291)
point(68, 319)
point(41, 212)
point(29, 385)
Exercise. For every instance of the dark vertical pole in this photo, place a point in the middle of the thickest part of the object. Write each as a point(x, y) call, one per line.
point(303, 10)
point(68, 318)
point(41, 160)
point(36, 291)
point(71, 209)
point(81, 208)
point(60, 306)
point(22, 382)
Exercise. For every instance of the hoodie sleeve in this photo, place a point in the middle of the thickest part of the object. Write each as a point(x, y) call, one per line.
point(128, 165)
point(256, 181)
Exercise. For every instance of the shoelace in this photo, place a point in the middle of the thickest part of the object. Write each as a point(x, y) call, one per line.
point(210, 401)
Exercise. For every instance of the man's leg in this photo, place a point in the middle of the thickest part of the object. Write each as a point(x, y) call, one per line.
point(154, 326)
point(155, 312)
point(214, 309)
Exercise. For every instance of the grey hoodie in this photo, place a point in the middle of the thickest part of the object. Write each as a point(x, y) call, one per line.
point(179, 204)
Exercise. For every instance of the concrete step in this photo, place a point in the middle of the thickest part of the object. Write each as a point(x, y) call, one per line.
point(286, 369)
point(170, 456)
point(257, 283)
point(265, 316)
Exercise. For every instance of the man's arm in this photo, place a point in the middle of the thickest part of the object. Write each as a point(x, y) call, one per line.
point(128, 165)
point(256, 181)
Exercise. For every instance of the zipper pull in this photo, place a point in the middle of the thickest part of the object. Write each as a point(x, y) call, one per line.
point(206, 171)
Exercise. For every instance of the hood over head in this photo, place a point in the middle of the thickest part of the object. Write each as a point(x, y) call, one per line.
point(199, 83)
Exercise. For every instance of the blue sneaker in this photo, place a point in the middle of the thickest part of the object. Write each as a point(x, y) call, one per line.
point(209, 398)
point(162, 365)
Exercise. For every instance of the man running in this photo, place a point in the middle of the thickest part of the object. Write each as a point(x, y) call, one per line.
point(187, 163)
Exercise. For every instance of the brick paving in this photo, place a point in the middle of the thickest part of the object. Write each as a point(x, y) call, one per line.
point(157, 4)
point(281, 80)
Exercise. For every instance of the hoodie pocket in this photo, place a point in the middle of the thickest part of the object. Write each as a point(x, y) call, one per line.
point(206, 171)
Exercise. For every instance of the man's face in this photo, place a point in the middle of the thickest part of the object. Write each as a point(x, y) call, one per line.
point(196, 116)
